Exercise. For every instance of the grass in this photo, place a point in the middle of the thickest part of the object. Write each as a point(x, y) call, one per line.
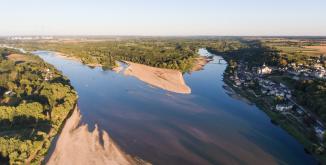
point(21, 58)
point(297, 48)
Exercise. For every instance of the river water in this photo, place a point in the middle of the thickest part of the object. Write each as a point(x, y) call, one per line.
point(205, 127)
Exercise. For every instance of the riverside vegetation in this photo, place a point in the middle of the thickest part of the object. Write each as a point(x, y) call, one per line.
point(309, 92)
point(35, 99)
point(179, 54)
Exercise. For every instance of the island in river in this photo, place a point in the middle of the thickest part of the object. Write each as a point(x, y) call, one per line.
point(168, 79)
point(203, 127)
point(148, 120)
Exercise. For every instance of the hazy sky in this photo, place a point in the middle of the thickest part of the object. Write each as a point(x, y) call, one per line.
point(163, 17)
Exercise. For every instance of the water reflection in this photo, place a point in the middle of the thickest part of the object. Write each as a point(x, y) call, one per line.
point(206, 127)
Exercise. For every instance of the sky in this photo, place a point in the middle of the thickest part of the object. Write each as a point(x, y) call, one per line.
point(163, 17)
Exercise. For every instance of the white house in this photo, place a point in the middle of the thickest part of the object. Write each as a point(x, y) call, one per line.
point(319, 132)
point(10, 93)
point(264, 70)
point(319, 74)
point(283, 107)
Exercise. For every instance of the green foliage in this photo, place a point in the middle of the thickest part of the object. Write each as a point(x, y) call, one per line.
point(173, 53)
point(312, 94)
point(253, 53)
point(33, 113)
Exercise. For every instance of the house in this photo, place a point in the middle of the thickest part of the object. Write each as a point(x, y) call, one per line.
point(300, 111)
point(283, 107)
point(319, 74)
point(282, 85)
point(264, 70)
point(319, 132)
point(237, 82)
point(288, 96)
point(10, 93)
point(296, 78)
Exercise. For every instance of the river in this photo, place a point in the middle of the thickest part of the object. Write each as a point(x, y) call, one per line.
point(204, 127)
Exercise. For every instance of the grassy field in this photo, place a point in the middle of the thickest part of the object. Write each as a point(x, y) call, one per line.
point(297, 47)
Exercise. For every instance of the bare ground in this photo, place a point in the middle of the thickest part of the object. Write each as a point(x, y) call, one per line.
point(76, 145)
point(167, 79)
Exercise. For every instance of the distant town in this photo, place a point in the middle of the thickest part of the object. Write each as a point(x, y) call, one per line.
point(273, 87)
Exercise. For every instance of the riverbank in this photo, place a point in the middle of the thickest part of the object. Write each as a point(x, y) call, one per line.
point(77, 145)
point(167, 79)
point(277, 118)
point(235, 95)
point(199, 63)
point(64, 56)
point(149, 122)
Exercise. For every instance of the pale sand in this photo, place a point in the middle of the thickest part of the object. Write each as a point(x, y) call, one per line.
point(61, 55)
point(167, 79)
point(77, 146)
point(199, 63)
point(117, 69)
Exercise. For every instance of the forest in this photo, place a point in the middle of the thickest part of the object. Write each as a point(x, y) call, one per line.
point(27, 79)
point(176, 54)
point(35, 99)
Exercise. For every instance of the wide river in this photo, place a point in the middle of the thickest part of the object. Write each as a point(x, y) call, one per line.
point(204, 127)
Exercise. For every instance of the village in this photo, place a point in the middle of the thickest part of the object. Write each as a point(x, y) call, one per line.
point(307, 71)
point(258, 82)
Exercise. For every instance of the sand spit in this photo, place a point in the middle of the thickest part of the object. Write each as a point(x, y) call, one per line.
point(77, 146)
point(117, 69)
point(64, 56)
point(199, 63)
point(167, 79)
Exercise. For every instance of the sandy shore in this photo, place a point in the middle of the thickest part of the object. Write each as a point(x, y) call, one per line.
point(64, 56)
point(199, 63)
point(77, 145)
point(167, 79)
point(117, 69)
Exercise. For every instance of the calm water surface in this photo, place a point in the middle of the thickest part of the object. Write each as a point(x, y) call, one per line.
point(206, 127)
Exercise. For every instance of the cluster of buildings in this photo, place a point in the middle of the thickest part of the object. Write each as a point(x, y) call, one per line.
point(30, 38)
point(274, 89)
point(48, 74)
point(264, 70)
point(242, 76)
point(258, 76)
point(306, 71)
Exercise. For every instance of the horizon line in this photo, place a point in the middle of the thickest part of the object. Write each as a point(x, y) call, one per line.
point(108, 35)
